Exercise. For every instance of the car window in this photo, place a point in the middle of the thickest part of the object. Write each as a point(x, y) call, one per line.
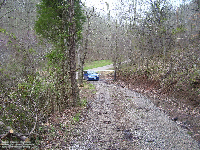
point(91, 72)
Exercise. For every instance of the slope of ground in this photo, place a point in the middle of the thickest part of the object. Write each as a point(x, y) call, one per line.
point(184, 112)
point(118, 118)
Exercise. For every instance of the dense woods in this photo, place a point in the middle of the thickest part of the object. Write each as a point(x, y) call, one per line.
point(160, 42)
point(38, 71)
point(43, 43)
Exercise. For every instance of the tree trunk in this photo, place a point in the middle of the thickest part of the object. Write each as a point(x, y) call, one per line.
point(116, 55)
point(72, 54)
point(84, 53)
point(82, 59)
point(80, 75)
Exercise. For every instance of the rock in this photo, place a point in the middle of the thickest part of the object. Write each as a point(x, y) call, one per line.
point(128, 135)
point(8, 128)
point(175, 119)
point(137, 138)
point(118, 129)
point(2, 127)
point(107, 122)
point(1, 123)
point(150, 140)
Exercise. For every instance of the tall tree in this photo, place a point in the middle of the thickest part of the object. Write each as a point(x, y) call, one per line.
point(83, 50)
point(61, 22)
point(72, 52)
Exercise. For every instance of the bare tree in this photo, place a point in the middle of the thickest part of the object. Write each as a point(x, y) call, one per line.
point(83, 50)
point(72, 54)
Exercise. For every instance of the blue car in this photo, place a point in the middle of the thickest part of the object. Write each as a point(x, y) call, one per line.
point(91, 76)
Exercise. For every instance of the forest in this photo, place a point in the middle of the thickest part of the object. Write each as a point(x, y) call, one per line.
point(153, 45)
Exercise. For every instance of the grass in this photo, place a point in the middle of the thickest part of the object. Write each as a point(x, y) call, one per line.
point(190, 133)
point(86, 91)
point(111, 69)
point(89, 86)
point(95, 64)
point(84, 102)
point(76, 118)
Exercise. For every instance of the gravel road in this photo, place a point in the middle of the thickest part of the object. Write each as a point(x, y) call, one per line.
point(118, 119)
point(103, 68)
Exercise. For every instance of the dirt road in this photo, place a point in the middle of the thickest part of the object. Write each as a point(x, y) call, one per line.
point(117, 118)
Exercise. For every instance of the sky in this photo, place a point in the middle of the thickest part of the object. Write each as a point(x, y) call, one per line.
point(100, 5)
point(122, 7)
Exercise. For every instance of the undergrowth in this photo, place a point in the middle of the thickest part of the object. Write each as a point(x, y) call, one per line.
point(178, 84)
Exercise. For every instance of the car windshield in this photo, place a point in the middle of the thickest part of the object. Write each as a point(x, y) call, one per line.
point(91, 72)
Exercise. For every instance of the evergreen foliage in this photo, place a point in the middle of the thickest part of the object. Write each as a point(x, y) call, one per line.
point(54, 25)
point(52, 22)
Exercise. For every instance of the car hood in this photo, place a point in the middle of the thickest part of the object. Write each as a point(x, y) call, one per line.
point(93, 74)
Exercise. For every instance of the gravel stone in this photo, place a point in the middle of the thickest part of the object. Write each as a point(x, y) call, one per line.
point(121, 119)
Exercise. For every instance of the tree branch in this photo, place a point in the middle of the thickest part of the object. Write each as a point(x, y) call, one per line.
point(5, 14)
point(34, 125)
point(18, 135)
point(2, 4)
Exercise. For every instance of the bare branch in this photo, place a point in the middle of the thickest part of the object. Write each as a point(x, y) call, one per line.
point(6, 14)
point(18, 135)
point(34, 125)
point(2, 4)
